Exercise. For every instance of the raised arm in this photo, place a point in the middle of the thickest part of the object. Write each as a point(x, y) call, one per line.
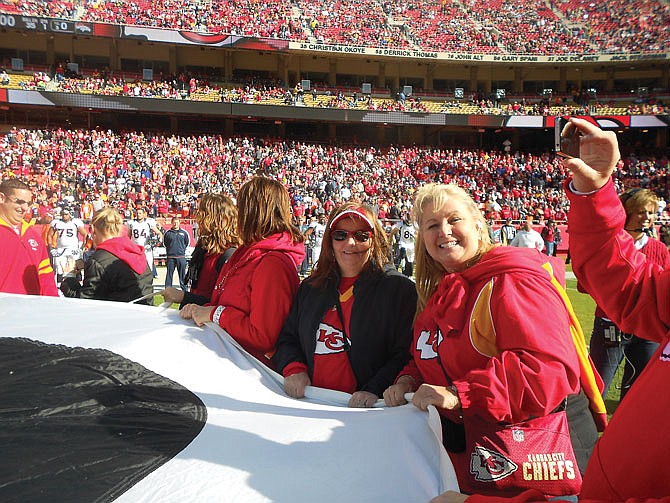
point(632, 292)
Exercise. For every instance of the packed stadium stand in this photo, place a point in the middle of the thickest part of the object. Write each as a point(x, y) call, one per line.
point(518, 27)
point(167, 172)
point(194, 89)
point(405, 89)
point(614, 26)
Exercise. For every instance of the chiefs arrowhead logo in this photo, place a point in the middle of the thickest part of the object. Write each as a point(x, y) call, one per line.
point(427, 343)
point(329, 340)
point(665, 354)
point(489, 466)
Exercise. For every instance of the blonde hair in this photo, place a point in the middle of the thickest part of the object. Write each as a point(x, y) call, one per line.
point(636, 199)
point(108, 222)
point(327, 266)
point(217, 223)
point(264, 208)
point(428, 271)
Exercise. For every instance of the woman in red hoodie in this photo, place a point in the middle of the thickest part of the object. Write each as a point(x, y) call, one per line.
point(255, 288)
point(118, 268)
point(494, 344)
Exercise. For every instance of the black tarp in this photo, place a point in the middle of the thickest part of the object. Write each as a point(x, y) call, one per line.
point(85, 424)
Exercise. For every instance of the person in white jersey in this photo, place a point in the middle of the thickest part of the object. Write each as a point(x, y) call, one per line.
point(65, 232)
point(406, 236)
point(143, 231)
point(315, 234)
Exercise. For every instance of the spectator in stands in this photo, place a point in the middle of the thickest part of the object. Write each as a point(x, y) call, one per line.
point(117, 270)
point(255, 288)
point(217, 241)
point(350, 325)
point(25, 267)
point(527, 237)
point(514, 366)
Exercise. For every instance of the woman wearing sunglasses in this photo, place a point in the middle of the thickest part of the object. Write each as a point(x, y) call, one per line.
point(350, 325)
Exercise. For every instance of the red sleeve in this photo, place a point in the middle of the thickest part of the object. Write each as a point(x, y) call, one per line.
point(662, 254)
point(411, 370)
point(634, 292)
point(47, 279)
point(273, 287)
point(294, 368)
point(537, 366)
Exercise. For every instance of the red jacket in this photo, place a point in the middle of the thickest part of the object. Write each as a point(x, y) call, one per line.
point(24, 262)
point(629, 463)
point(257, 286)
point(529, 365)
point(501, 332)
point(656, 252)
point(630, 460)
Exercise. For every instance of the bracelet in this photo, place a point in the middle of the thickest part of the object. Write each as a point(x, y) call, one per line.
point(216, 315)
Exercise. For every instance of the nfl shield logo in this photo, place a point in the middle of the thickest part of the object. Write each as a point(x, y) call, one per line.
point(518, 435)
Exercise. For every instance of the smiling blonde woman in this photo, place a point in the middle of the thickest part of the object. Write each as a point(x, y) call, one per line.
point(492, 335)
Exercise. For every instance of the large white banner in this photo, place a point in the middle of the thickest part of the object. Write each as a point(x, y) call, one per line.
point(257, 444)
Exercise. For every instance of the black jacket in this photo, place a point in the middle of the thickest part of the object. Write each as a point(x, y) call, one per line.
point(193, 273)
point(108, 277)
point(380, 327)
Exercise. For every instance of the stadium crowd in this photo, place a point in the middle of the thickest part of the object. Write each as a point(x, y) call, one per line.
point(638, 25)
point(257, 90)
point(520, 27)
point(166, 173)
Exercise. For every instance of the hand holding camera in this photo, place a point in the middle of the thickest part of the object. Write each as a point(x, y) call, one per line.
point(598, 154)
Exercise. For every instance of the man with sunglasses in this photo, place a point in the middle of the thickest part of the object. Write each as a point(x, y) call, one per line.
point(25, 267)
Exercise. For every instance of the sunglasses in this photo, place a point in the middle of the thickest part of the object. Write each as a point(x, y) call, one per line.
point(360, 236)
point(19, 202)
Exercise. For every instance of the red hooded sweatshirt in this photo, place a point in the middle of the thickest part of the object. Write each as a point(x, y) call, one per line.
point(256, 287)
point(123, 248)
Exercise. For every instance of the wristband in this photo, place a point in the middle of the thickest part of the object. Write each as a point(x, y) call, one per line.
point(216, 315)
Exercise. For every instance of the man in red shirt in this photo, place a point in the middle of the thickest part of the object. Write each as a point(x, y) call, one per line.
point(24, 262)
